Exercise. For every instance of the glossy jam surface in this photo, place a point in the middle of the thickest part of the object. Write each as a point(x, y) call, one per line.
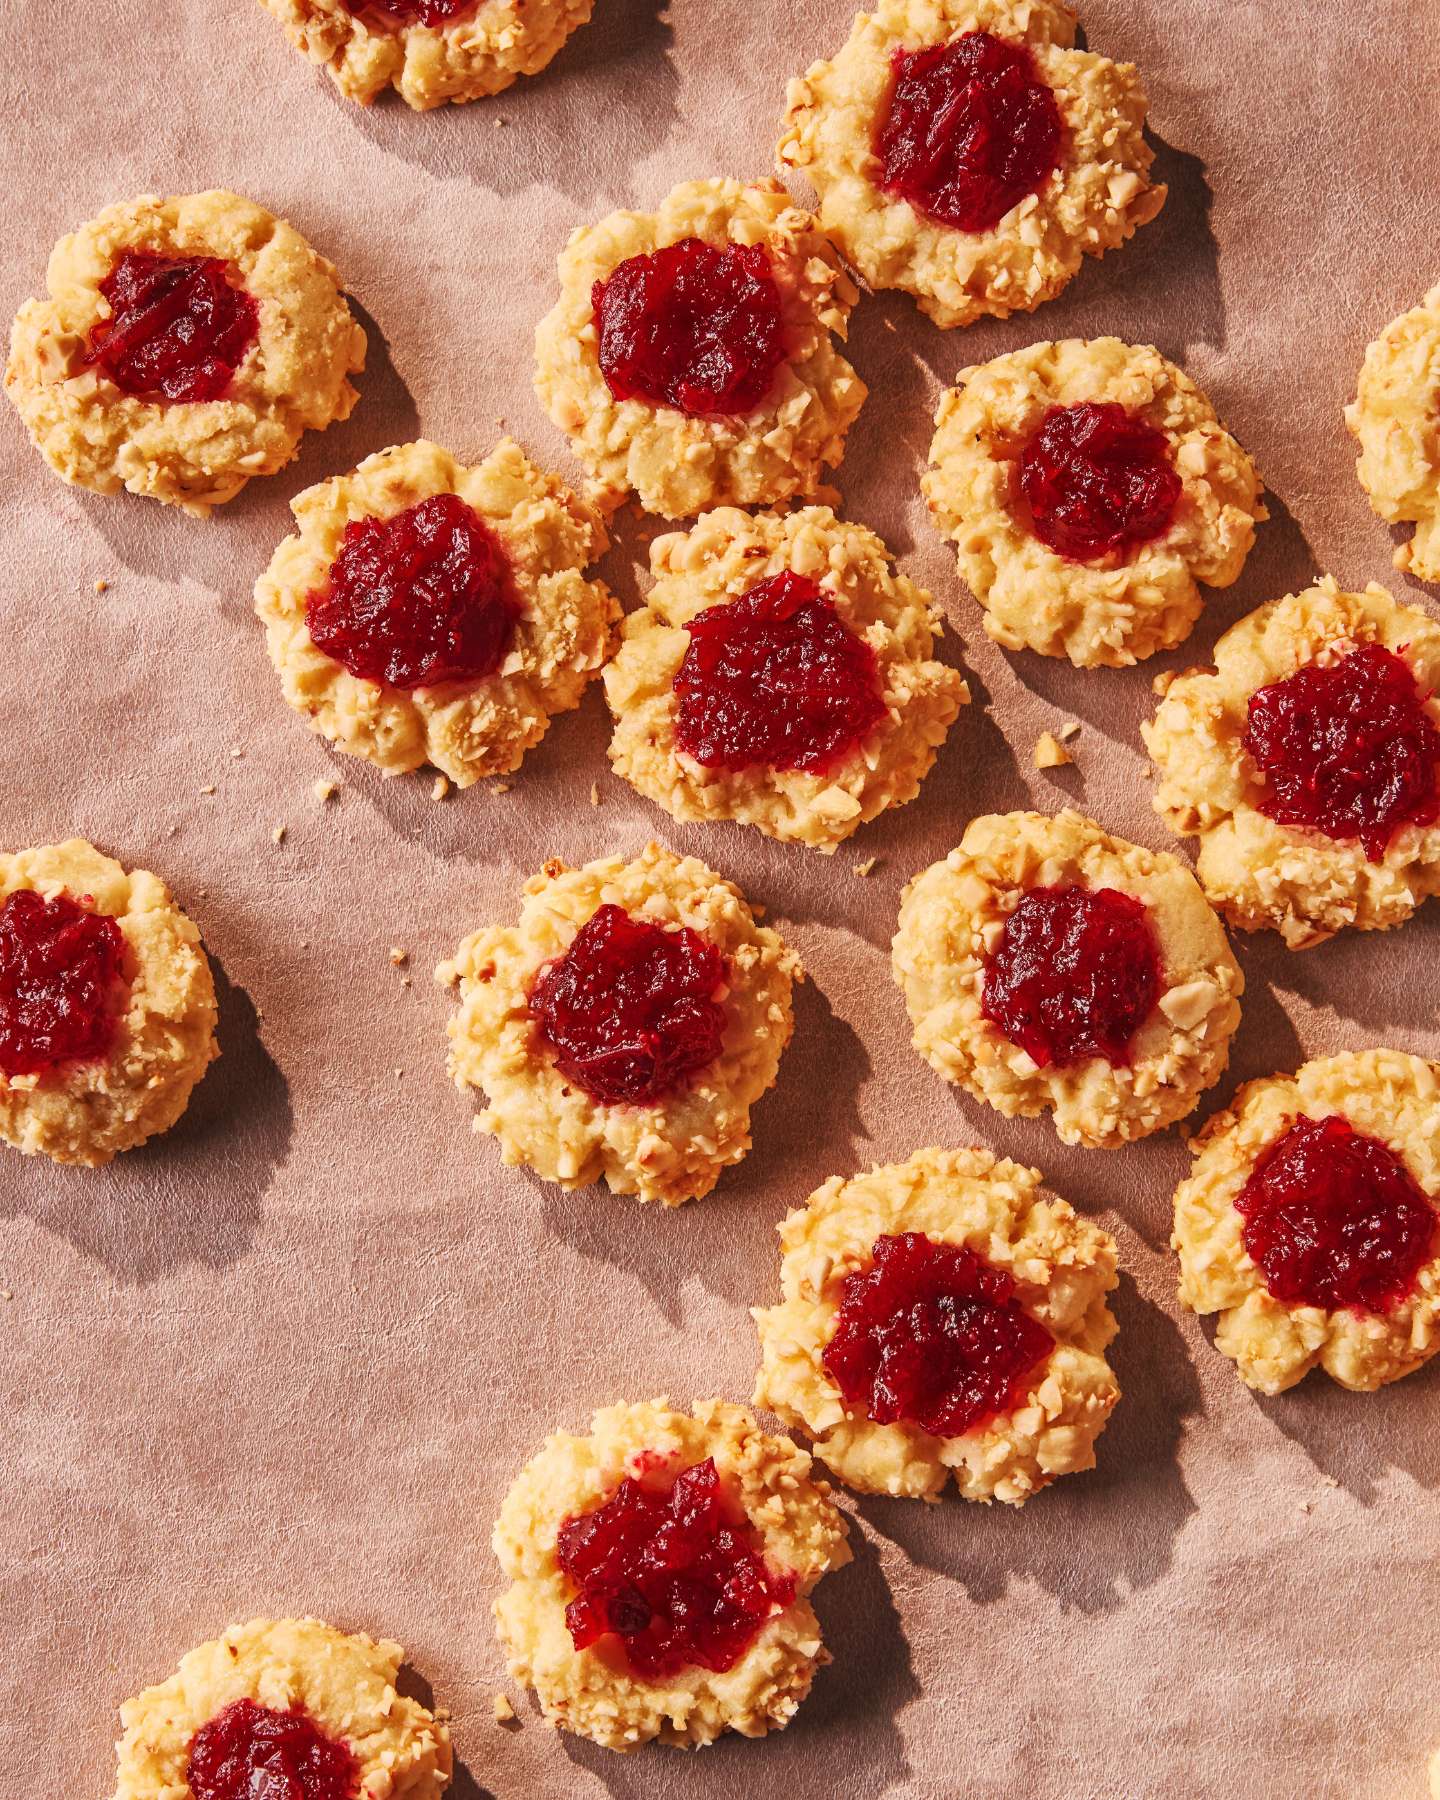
point(970, 131)
point(1097, 481)
point(60, 983)
point(695, 326)
point(1075, 974)
point(675, 1576)
point(423, 597)
point(932, 1334)
point(776, 678)
point(178, 329)
point(629, 1009)
point(1334, 1219)
point(1347, 748)
point(249, 1752)
point(436, 13)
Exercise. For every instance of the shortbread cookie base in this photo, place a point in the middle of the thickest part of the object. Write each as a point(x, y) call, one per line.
point(87, 1112)
point(1261, 874)
point(465, 729)
point(1394, 419)
point(1382, 1093)
point(593, 1692)
point(722, 556)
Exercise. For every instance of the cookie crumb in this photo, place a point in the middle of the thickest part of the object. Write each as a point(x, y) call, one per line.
point(7, 1294)
point(1070, 729)
point(439, 788)
point(1329, 1481)
point(594, 793)
point(277, 836)
point(399, 955)
point(864, 868)
point(101, 585)
point(399, 1073)
point(209, 788)
point(325, 790)
point(504, 1711)
point(404, 981)
point(501, 787)
point(237, 752)
point(1050, 753)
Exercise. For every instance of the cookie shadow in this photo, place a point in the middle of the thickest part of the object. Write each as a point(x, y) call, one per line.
point(1354, 1439)
point(1267, 1042)
point(1359, 978)
point(191, 1195)
point(1091, 1540)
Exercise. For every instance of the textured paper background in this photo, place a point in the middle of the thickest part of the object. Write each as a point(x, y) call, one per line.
point(288, 1358)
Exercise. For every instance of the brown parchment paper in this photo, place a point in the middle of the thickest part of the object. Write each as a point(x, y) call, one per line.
point(289, 1357)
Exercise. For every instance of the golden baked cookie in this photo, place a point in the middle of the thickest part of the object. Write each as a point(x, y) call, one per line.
point(1048, 965)
point(690, 357)
point(107, 1005)
point(780, 675)
point(1307, 762)
point(1395, 417)
point(450, 606)
point(430, 51)
point(966, 152)
point(1089, 488)
point(1309, 1222)
point(942, 1316)
point(275, 1694)
point(186, 345)
point(748, 1523)
point(625, 1027)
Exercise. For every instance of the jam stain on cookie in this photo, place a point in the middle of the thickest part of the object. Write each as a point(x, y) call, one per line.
point(931, 1334)
point(1347, 748)
point(630, 1010)
point(436, 14)
point(775, 678)
point(969, 132)
point(1076, 974)
point(250, 1750)
point(1098, 481)
point(672, 1574)
point(60, 983)
point(1334, 1219)
point(179, 327)
point(423, 597)
point(694, 326)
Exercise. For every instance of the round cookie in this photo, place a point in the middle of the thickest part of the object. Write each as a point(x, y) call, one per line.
point(678, 462)
point(1395, 417)
point(85, 366)
point(1261, 871)
point(1043, 1266)
point(1130, 594)
point(1176, 1016)
point(1391, 1102)
point(323, 1683)
point(552, 645)
point(780, 1510)
point(905, 701)
point(136, 986)
point(429, 51)
point(670, 1140)
point(1092, 186)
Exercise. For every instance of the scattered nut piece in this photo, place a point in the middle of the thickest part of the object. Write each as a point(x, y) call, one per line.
point(1050, 753)
point(209, 788)
point(439, 788)
point(504, 1711)
point(101, 585)
point(864, 868)
point(501, 787)
point(1070, 729)
point(594, 793)
point(237, 752)
point(398, 955)
point(325, 790)
point(277, 836)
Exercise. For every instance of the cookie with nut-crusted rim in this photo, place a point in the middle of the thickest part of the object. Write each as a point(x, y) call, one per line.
point(1395, 419)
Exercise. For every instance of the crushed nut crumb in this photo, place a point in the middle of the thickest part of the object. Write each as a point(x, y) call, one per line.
point(398, 955)
point(325, 790)
point(101, 585)
point(439, 788)
point(277, 836)
point(864, 868)
point(1050, 753)
point(594, 793)
point(1070, 729)
point(501, 787)
point(504, 1711)
point(209, 788)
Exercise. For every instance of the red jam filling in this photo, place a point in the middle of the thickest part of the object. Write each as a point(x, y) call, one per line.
point(931, 1333)
point(695, 326)
point(179, 327)
point(1075, 975)
point(1334, 1219)
point(435, 13)
point(1097, 481)
point(60, 982)
point(423, 597)
point(629, 1010)
point(679, 1582)
point(1347, 748)
point(775, 677)
point(970, 131)
point(249, 1752)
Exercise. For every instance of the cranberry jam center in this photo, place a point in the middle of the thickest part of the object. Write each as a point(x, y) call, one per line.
point(178, 329)
point(435, 13)
point(249, 1752)
point(629, 1009)
point(670, 1574)
point(423, 597)
point(695, 326)
point(1334, 1219)
point(60, 983)
point(777, 678)
point(1075, 974)
point(1097, 481)
point(970, 131)
point(1347, 748)
point(931, 1333)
